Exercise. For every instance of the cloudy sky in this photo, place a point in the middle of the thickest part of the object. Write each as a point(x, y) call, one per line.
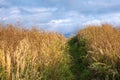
point(64, 16)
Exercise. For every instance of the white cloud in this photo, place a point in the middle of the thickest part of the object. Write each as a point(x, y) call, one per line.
point(60, 21)
point(92, 22)
point(14, 10)
point(111, 18)
point(26, 15)
point(63, 16)
point(11, 14)
point(63, 26)
point(73, 21)
point(39, 9)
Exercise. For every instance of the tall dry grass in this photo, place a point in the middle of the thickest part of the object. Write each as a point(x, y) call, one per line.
point(103, 51)
point(33, 55)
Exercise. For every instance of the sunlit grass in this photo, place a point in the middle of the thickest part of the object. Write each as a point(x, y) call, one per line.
point(103, 44)
point(33, 55)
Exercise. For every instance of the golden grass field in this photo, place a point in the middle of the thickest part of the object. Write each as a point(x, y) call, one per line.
point(32, 54)
point(103, 43)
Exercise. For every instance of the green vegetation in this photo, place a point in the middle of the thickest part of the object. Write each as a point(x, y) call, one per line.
point(93, 54)
point(78, 51)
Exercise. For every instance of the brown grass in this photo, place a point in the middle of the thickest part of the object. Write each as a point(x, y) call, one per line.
point(104, 48)
point(31, 54)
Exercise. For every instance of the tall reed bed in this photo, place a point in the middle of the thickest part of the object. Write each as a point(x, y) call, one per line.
point(33, 55)
point(103, 54)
